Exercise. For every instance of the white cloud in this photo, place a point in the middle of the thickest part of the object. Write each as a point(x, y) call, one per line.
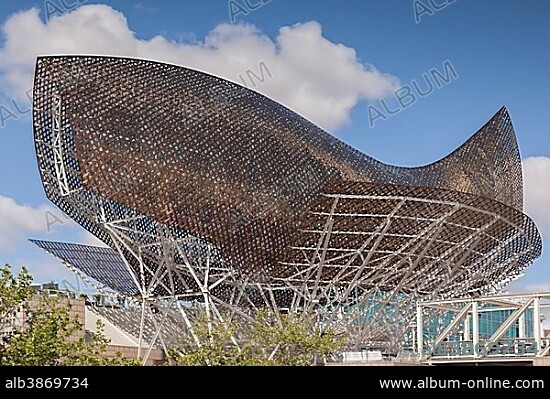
point(18, 221)
point(317, 78)
point(536, 172)
point(544, 287)
point(87, 238)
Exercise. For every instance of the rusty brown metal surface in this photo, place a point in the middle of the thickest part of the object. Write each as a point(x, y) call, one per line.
point(209, 159)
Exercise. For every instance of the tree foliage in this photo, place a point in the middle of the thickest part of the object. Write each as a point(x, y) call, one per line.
point(285, 340)
point(49, 335)
point(14, 291)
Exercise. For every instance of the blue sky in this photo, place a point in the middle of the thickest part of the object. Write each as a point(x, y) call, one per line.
point(499, 49)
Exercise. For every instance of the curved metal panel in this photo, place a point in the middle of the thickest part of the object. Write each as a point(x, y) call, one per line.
point(168, 148)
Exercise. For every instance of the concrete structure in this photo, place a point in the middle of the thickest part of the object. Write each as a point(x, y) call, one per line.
point(88, 314)
point(121, 341)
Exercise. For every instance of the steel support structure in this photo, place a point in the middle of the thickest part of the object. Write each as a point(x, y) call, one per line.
point(241, 204)
point(504, 329)
point(372, 293)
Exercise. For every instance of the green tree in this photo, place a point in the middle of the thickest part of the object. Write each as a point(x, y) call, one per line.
point(49, 335)
point(14, 291)
point(286, 340)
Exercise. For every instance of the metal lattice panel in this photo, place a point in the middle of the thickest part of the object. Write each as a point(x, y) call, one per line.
point(211, 192)
point(457, 242)
point(128, 320)
point(215, 160)
point(102, 264)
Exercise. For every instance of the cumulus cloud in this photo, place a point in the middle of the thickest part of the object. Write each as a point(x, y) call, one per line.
point(87, 238)
point(18, 221)
point(317, 78)
point(536, 172)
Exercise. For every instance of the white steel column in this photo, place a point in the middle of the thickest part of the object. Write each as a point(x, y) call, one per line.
point(475, 327)
point(141, 327)
point(467, 328)
point(536, 323)
point(419, 331)
point(521, 322)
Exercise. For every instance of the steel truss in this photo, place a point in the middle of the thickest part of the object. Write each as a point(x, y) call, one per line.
point(305, 224)
point(370, 292)
point(450, 331)
point(364, 292)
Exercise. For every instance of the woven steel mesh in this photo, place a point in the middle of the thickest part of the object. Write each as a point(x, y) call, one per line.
point(213, 162)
